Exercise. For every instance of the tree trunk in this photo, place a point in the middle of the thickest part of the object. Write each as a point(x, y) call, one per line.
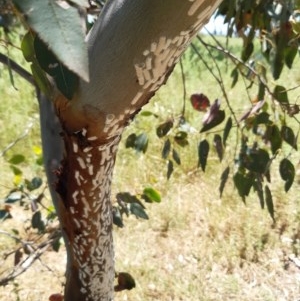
point(133, 48)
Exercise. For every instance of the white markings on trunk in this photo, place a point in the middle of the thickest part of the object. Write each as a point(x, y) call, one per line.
point(81, 163)
point(91, 170)
point(75, 147)
point(72, 210)
point(76, 222)
point(77, 177)
point(87, 149)
point(74, 196)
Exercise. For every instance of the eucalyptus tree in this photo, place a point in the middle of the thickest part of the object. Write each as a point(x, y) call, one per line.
point(90, 86)
point(131, 50)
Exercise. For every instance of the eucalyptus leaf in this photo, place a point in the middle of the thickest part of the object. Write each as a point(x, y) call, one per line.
point(170, 169)
point(141, 143)
point(257, 185)
point(280, 94)
point(176, 156)
point(227, 129)
point(287, 173)
point(166, 149)
point(218, 146)
point(243, 183)
point(130, 141)
point(203, 150)
point(117, 217)
point(137, 210)
point(181, 138)
point(151, 195)
point(288, 136)
point(224, 178)
point(37, 222)
point(216, 120)
point(234, 75)
point(17, 159)
point(269, 201)
point(60, 28)
point(163, 129)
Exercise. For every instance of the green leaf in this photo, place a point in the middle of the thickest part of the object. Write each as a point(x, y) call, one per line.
point(35, 183)
point(4, 214)
point(166, 149)
point(117, 217)
point(147, 114)
point(243, 183)
point(218, 146)
point(151, 195)
point(56, 244)
point(218, 118)
point(41, 78)
point(234, 75)
point(257, 185)
point(290, 54)
point(280, 94)
point(27, 47)
point(262, 118)
point(130, 141)
point(17, 159)
point(288, 136)
point(17, 171)
point(128, 198)
point(163, 129)
point(261, 91)
point(37, 222)
point(170, 169)
point(66, 81)
point(203, 150)
point(269, 201)
point(247, 51)
point(141, 143)
point(60, 29)
point(257, 161)
point(224, 178)
point(176, 156)
point(227, 129)
point(181, 138)
point(125, 282)
point(275, 138)
point(287, 173)
point(137, 210)
point(277, 62)
point(10, 73)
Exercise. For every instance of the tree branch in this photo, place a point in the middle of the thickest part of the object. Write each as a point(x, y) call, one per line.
point(17, 68)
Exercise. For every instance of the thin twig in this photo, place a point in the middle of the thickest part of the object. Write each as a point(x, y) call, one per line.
point(4, 59)
point(21, 137)
point(25, 264)
point(219, 81)
point(236, 60)
point(184, 86)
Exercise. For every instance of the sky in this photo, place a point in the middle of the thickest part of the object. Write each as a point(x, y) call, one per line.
point(215, 25)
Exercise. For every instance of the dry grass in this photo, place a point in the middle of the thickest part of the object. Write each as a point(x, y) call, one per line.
point(195, 246)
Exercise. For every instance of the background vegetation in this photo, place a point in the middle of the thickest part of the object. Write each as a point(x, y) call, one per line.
point(195, 245)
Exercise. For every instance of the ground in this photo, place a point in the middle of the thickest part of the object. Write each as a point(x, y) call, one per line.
point(184, 253)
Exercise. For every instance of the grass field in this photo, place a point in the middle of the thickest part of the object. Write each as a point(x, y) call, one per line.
point(195, 246)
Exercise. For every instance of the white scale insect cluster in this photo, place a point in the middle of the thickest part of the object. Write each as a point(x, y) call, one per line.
point(92, 242)
point(90, 208)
